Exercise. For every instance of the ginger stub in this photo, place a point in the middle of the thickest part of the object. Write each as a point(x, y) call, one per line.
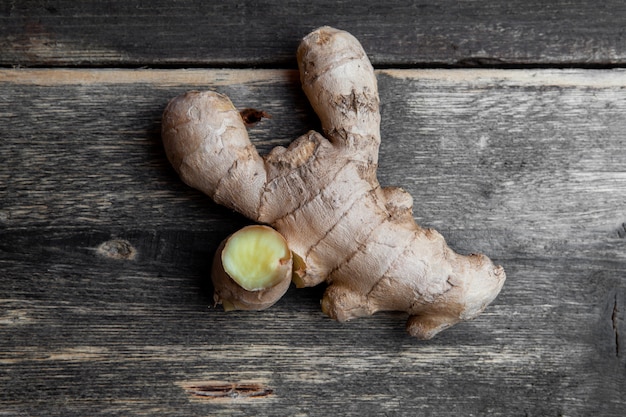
point(252, 269)
point(321, 193)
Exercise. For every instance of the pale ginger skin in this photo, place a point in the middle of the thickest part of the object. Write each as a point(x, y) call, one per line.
point(321, 193)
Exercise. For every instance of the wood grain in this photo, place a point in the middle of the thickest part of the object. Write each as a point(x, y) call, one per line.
point(104, 303)
point(266, 33)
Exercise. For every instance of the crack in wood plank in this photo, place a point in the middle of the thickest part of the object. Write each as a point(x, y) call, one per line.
point(614, 319)
point(222, 389)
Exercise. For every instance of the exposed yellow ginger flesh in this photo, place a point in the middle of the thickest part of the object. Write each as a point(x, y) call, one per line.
point(252, 269)
point(254, 257)
point(321, 193)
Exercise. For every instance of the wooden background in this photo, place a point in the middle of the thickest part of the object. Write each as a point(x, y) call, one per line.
point(504, 119)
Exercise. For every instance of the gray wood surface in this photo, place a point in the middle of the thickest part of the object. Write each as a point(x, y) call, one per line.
point(266, 33)
point(105, 308)
point(105, 304)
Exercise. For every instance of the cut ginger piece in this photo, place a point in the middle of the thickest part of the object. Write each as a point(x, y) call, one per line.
point(252, 269)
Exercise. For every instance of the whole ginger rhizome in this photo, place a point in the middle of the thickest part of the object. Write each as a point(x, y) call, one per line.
point(322, 195)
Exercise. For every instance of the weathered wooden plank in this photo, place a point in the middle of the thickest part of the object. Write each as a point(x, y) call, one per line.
point(104, 304)
point(444, 32)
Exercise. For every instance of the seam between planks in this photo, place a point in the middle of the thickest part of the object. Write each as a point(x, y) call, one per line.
point(201, 77)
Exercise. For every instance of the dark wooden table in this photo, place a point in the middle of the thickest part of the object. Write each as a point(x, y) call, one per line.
point(506, 121)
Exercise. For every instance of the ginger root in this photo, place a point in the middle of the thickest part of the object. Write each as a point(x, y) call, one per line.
point(321, 193)
point(252, 269)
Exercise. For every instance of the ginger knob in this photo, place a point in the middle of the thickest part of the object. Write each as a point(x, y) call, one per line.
point(252, 269)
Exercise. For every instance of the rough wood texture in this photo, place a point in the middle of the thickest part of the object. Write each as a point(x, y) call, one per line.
point(216, 33)
point(104, 303)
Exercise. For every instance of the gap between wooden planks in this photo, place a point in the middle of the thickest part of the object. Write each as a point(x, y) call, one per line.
point(213, 77)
